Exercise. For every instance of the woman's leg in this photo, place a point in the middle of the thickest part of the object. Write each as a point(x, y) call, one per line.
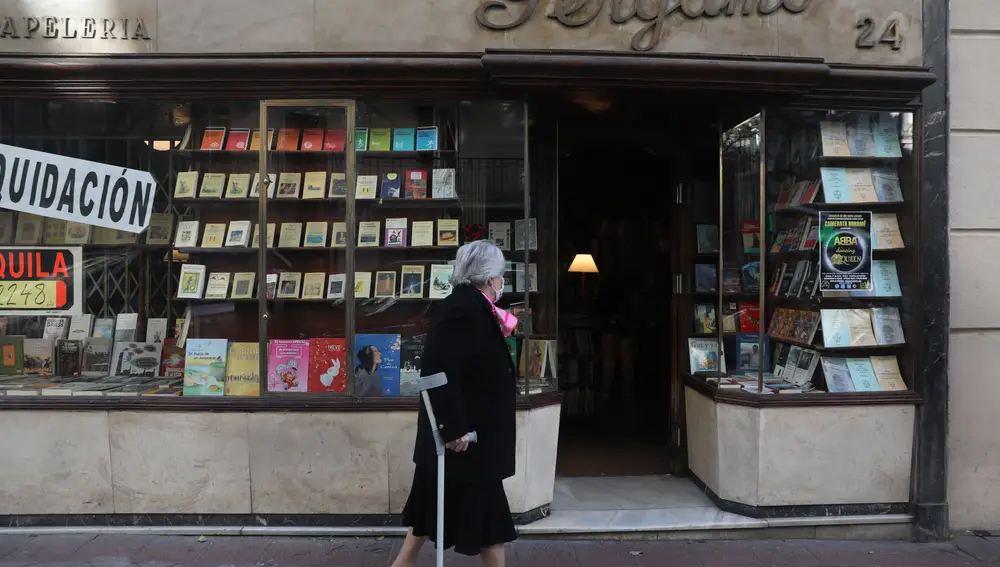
point(493, 556)
point(411, 547)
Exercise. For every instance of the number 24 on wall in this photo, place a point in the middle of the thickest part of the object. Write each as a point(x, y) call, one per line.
point(890, 34)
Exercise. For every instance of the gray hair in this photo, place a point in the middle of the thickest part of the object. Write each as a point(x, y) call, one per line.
point(477, 262)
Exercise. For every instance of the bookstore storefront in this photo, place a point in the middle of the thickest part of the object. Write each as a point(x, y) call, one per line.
point(228, 262)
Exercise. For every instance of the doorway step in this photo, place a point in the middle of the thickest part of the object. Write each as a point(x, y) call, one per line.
point(668, 507)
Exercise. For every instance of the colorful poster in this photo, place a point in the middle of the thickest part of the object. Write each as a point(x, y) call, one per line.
point(845, 246)
point(376, 370)
point(205, 367)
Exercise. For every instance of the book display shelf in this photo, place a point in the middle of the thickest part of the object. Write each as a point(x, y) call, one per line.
point(812, 294)
point(363, 218)
point(364, 203)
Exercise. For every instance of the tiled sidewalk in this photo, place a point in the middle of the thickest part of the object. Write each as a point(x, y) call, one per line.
point(164, 551)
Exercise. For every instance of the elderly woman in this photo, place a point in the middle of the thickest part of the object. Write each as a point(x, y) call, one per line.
point(465, 340)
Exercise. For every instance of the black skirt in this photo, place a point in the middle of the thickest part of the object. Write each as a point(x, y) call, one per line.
point(476, 514)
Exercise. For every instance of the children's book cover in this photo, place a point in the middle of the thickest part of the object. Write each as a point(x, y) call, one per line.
point(205, 367)
point(328, 365)
point(287, 365)
point(376, 371)
point(243, 370)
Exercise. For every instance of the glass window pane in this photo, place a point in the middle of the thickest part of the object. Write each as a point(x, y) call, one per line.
point(432, 175)
point(840, 192)
point(739, 282)
point(210, 179)
point(307, 248)
point(113, 331)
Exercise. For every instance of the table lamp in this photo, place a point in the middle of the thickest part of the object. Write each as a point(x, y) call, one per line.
point(583, 264)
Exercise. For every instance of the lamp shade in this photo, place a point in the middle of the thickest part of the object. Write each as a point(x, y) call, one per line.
point(583, 264)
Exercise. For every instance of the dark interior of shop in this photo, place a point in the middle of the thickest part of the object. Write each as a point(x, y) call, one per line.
point(620, 350)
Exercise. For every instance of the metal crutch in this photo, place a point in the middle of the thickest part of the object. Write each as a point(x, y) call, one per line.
point(424, 384)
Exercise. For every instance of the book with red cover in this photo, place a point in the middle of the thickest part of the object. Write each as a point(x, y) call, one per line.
point(749, 317)
point(809, 195)
point(288, 139)
point(213, 138)
point(327, 365)
point(415, 184)
point(173, 360)
point(238, 139)
point(472, 232)
point(336, 140)
point(312, 139)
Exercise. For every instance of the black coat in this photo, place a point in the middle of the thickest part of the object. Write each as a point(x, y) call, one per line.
point(464, 341)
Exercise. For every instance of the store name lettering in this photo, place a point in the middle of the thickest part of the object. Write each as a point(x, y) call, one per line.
point(654, 13)
point(49, 27)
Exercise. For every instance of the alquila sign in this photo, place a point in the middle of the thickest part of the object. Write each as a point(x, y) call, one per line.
point(50, 27)
point(654, 13)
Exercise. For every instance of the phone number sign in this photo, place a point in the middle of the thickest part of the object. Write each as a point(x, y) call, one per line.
point(37, 280)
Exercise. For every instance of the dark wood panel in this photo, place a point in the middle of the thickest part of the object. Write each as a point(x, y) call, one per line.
point(239, 76)
point(825, 399)
point(269, 403)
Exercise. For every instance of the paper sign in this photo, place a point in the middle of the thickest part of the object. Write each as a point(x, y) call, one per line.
point(76, 190)
point(39, 280)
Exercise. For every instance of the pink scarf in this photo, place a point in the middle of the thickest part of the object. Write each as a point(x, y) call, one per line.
point(506, 320)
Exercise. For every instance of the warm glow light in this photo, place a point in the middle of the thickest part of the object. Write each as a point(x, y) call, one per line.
point(583, 264)
point(161, 145)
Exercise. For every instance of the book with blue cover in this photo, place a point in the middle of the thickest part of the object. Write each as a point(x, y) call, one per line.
point(392, 185)
point(836, 188)
point(376, 365)
point(863, 375)
point(403, 139)
point(427, 139)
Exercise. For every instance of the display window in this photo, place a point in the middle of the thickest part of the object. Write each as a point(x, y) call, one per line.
point(293, 248)
point(809, 273)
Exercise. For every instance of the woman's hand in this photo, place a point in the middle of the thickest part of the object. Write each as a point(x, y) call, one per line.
point(458, 445)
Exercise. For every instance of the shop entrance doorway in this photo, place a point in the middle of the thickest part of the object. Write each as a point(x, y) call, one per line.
point(635, 174)
point(620, 164)
point(617, 320)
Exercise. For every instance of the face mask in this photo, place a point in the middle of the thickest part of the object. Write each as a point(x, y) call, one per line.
point(498, 292)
